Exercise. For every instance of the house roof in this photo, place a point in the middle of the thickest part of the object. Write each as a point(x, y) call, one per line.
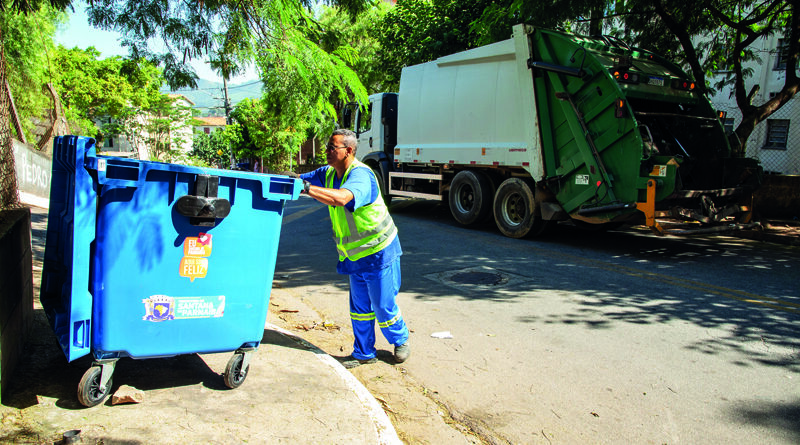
point(180, 96)
point(211, 121)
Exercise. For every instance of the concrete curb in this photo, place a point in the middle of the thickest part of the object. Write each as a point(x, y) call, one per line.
point(383, 426)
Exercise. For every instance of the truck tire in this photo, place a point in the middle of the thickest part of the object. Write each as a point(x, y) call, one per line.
point(470, 198)
point(516, 213)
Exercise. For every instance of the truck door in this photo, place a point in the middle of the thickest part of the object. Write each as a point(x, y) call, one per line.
point(368, 132)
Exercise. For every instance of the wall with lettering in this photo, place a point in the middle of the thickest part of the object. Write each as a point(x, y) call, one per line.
point(33, 175)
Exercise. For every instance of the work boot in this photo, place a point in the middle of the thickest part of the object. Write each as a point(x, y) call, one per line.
point(351, 362)
point(402, 352)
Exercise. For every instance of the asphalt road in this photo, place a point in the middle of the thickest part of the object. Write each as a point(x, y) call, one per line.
point(615, 337)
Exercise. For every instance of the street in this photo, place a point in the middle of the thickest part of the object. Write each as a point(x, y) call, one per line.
point(577, 337)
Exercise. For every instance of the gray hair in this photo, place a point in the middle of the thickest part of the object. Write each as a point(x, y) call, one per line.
point(348, 137)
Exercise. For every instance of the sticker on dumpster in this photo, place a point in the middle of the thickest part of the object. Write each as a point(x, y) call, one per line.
point(194, 263)
point(193, 267)
point(582, 180)
point(197, 245)
point(163, 307)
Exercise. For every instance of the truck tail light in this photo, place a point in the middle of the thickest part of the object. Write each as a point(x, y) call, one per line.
point(625, 76)
point(619, 108)
point(685, 85)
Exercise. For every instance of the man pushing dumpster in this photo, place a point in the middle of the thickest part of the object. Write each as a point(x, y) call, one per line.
point(368, 246)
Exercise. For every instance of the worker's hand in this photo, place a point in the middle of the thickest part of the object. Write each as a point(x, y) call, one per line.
point(289, 174)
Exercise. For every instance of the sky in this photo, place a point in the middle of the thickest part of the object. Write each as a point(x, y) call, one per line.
point(78, 32)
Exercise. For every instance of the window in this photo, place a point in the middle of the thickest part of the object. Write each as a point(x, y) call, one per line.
point(777, 134)
point(781, 54)
point(365, 120)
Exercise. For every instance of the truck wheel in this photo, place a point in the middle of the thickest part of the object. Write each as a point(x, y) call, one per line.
point(470, 198)
point(515, 211)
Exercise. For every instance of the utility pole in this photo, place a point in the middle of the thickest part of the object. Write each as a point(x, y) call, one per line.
point(228, 114)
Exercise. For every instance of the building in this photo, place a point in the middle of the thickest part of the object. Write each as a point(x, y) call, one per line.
point(775, 141)
point(154, 135)
point(209, 124)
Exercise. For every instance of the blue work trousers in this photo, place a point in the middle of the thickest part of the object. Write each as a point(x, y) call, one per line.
point(373, 296)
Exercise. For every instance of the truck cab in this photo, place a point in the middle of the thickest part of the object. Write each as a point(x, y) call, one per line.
point(375, 125)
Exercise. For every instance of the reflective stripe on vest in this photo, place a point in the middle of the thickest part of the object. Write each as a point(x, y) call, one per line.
point(368, 230)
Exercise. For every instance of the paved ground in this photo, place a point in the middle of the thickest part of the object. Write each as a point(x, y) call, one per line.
point(294, 392)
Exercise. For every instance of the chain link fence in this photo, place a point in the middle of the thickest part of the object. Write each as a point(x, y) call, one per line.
point(776, 141)
point(9, 196)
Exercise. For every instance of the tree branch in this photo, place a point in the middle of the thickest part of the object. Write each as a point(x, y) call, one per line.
point(685, 40)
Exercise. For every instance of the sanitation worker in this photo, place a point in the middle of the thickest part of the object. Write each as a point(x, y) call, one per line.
point(369, 250)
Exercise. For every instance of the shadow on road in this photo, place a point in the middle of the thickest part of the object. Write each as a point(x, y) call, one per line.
point(637, 278)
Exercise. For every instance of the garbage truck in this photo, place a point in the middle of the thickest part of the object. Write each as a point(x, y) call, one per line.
point(550, 126)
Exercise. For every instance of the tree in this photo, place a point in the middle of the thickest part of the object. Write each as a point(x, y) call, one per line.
point(273, 137)
point(744, 22)
point(29, 61)
point(340, 29)
point(417, 31)
point(214, 149)
point(91, 88)
point(280, 37)
point(162, 126)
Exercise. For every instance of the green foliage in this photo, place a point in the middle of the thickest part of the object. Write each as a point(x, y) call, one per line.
point(262, 133)
point(231, 32)
point(32, 6)
point(214, 149)
point(280, 37)
point(29, 50)
point(91, 88)
point(417, 31)
point(359, 36)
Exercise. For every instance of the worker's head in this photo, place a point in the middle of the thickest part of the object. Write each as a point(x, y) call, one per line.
point(341, 145)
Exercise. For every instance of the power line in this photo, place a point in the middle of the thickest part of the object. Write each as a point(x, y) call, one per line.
point(244, 84)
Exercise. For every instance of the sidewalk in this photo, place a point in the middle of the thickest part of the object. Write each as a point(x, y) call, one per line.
point(786, 232)
point(294, 393)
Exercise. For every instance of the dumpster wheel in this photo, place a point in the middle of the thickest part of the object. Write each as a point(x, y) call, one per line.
point(89, 391)
point(235, 372)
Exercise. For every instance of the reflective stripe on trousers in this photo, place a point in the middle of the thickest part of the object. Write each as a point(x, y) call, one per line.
point(373, 297)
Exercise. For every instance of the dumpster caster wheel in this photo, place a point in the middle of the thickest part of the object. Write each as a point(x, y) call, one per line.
point(89, 391)
point(234, 374)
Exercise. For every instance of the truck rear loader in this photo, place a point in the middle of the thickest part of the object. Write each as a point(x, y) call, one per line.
point(549, 126)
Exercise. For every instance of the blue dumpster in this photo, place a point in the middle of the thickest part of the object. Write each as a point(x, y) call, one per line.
point(147, 259)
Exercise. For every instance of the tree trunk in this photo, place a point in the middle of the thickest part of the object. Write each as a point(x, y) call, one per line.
point(752, 116)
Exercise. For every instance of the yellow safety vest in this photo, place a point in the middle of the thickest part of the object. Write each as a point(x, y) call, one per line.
point(367, 230)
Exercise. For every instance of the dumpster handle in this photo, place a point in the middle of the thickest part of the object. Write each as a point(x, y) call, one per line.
point(203, 208)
